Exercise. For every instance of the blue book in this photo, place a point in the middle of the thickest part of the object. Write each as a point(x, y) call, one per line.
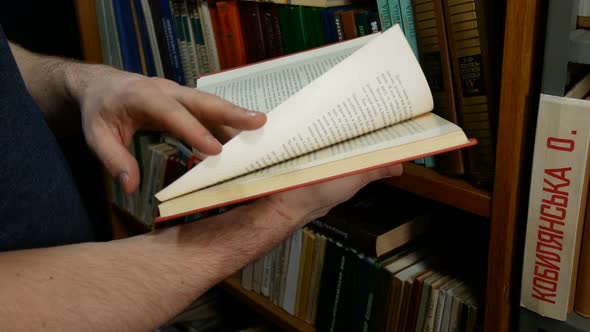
point(127, 38)
point(327, 15)
point(145, 39)
point(172, 41)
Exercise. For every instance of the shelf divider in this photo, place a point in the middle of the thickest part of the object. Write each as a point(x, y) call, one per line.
point(260, 304)
point(447, 190)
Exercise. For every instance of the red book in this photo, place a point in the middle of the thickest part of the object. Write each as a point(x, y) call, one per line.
point(368, 111)
point(230, 31)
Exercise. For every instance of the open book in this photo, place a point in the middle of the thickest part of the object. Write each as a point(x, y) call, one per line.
point(332, 111)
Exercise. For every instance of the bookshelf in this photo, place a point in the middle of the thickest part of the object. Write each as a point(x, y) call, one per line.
point(505, 205)
point(283, 320)
point(450, 191)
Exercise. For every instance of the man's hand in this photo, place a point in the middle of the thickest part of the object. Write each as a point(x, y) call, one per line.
point(306, 204)
point(114, 104)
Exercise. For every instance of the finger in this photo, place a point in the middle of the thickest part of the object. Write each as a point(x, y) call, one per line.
point(215, 110)
point(224, 133)
point(352, 184)
point(175, 118)
point(116, 158)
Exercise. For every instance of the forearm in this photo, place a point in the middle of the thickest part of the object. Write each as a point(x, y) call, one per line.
point(134, 284)
point(54, 83)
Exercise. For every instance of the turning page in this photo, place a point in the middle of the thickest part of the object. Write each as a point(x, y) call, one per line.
point(378, 85)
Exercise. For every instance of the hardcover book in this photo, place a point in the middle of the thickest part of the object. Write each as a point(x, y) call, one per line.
point(366, 223)
point(475, 46)
point(558, 192)
point(333, 111)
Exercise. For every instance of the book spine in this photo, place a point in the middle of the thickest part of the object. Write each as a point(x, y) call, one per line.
point(142, 22)
point(468, 37)
point(407, 12)
point(384, 14)
point(349, 24)
point(127, 37)
point(138, 38)
point(158, 22)
point(293, 272)
point(246, 276)
point(184, 46)
point(305, 267)
point(278, 272)
point(191, 41)
point(252, 31)
point(153, 41)
point(330, 283)
point(103, 33)
point(435, 62)
point(172, 41)
point(558, 192)
point(363, 241)
point(230, 33)
point(203, 60)
point(339, 26)
point(396, 13)
point(209, 35)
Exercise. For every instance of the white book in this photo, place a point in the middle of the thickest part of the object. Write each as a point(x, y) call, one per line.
point(293, 272)
point(557, 200)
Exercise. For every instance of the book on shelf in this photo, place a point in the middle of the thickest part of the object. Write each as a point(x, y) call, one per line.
point(474, 34)
point(366, 223)
point(433, 49)
point(557, 201)
point(313, 3)
point(332, 111)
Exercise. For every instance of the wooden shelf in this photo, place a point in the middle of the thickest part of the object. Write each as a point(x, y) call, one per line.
point(453, 192)
point(282, 319)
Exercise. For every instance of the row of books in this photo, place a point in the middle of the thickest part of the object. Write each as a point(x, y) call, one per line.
point(556, 265)
point(161, 160)
point(184, 39)
point(459, 53)
point(362, 269)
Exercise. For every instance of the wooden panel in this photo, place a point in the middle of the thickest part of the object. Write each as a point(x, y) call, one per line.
point(432, 185)
point(88, 27)
point(262, 305)
point(518, 107)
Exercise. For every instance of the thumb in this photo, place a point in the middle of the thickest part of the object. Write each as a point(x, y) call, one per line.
point(117, 160)
point(382, 173)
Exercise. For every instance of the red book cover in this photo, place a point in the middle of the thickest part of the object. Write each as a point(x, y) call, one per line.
point(217, 34)
point(231, 33)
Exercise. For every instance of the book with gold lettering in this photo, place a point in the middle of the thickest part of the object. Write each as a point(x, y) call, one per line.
point(475, 33)
point(336, 110)
point(435, 60)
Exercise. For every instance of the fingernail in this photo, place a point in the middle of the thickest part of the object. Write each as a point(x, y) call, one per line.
point(395, 170)
point(123, 178)
point(213, 140)
point(252, 113)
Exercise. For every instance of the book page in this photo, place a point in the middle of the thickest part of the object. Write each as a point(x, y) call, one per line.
point(206, 82)
point(378, 85)
point(413, 130)
point(264, 90)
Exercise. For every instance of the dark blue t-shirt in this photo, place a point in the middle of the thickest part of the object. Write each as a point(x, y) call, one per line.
point(39, 203)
